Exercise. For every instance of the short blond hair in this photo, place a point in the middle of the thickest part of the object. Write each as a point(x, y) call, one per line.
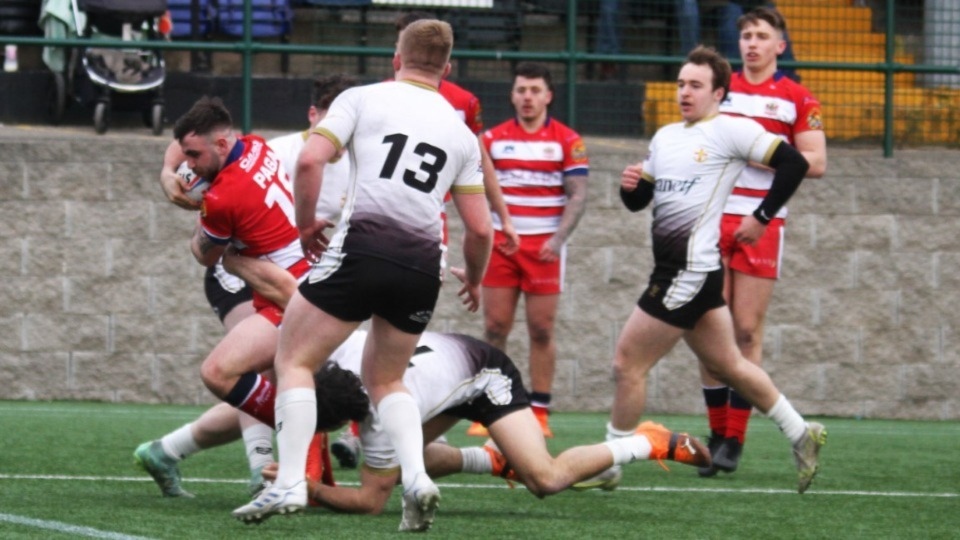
point(425, 45)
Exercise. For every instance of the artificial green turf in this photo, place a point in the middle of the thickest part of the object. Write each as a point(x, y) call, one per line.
point(880, 479)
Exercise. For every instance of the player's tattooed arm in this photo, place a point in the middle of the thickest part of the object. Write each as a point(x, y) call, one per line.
point(205, 250)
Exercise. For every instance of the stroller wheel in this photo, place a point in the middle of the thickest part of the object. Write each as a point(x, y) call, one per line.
point(57, 98)
point(101, 117)
point(156, 118)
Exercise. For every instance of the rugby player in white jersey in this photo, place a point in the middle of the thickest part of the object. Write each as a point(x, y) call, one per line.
point(689, 173)
point(453, 377)
point(407, 148)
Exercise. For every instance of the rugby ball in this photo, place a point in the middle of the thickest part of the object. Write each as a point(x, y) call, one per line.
point(195, 186)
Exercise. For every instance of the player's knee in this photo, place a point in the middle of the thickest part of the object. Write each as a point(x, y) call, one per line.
point(626, 369)
point(541, 335)
point(212, 376)
point(543, 483)
point(749, 337)
point(496, 332)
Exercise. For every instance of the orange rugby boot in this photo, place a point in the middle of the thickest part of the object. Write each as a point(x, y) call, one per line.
point(669, 445)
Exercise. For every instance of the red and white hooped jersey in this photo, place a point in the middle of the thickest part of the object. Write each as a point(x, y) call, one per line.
point(250, 205)
point(531, 168)
point(783, 107)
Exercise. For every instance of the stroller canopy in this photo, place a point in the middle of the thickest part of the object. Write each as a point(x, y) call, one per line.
point(125, 8)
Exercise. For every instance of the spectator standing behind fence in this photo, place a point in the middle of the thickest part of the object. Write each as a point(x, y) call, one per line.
point(689, 172)
point(542, 168)
point(752, 262)
point(728, 33)
point(608, 35)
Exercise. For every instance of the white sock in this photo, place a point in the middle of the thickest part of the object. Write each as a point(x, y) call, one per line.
point(614, 433)
point(629, 449)
point(180, 444)
point(788, 419)
point(621, 453)
point(400, 418)
point(296, 414)
point(476, 460)
point(258, 439)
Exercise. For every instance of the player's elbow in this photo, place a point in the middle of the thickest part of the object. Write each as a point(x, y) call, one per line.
point(817, 169)
point(479, 230)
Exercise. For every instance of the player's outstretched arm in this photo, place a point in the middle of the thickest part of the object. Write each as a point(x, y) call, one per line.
point(268, 279)
point(370, 498)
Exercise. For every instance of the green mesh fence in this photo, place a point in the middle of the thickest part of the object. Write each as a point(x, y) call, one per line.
point(885, 72)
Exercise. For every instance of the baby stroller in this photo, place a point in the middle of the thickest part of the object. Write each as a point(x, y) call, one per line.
point(108, 78)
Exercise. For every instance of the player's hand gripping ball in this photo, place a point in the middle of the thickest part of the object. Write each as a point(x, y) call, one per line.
point(195, 186)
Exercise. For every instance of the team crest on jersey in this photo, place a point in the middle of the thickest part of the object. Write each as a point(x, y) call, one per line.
point(579, 151)
point(814, 120)
point(771, 108)
point(700, 155)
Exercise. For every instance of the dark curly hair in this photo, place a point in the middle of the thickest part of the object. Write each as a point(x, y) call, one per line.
point(340, 397)
point(207, 115)
point(325, 89)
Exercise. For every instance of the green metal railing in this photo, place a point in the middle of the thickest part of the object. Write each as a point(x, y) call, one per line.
point(573, 56)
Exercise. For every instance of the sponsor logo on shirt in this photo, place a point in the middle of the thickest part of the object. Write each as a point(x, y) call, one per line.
point(579, 151)
point(814, 120)
point(676, 185)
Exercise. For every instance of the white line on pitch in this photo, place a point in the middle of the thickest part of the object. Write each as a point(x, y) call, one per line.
point(66, 528)
point(650, 489)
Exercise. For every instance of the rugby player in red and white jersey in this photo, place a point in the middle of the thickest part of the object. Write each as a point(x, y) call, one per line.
point(753, 251)
point(222, 423)
point(542, 169)
point(248, 208)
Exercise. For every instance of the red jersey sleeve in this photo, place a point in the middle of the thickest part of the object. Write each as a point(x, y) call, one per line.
point(808, 112)
point(216, 218)
point(575, 160)
point(474, 115)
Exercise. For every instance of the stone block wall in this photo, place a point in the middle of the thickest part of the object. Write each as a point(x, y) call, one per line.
point(100, 298)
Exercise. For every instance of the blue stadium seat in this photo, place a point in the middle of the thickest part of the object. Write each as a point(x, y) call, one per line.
point(333, 3)
point(181, 12)
point(270, 18)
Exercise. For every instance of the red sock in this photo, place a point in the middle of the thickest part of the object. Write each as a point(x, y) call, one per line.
point(717, 405)
point(325, 457)
point(738, 415)
point(260, 402)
